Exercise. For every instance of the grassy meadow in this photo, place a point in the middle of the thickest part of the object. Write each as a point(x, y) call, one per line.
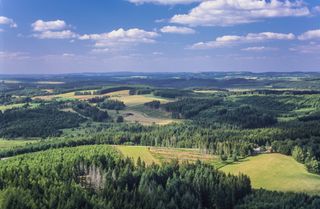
point(4, 144)
point(276, 172)
point(269, 171)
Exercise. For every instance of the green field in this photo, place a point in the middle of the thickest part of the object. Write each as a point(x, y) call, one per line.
point(269, 171)
point(276, 172)
point(7, 107)
point(13, 143)
point(11, 106)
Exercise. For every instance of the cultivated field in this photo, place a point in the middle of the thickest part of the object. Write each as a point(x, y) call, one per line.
point(133, 100)
point(144, 119)
point(276, 172)
point(182, 155)
point(135, 152)
point(160, 154)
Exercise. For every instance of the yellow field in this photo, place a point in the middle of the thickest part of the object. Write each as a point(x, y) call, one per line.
point(50, 82)
point(206, 91)
point(135, 152)
point(129, 100)
point(276, 172)
point(160, 155)
point(182, 155)
point(69, 95)
point(145, 119)
point(133, 100)
point(10, 81)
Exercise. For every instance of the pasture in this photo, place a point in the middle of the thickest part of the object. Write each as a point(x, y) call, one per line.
point(276, 172)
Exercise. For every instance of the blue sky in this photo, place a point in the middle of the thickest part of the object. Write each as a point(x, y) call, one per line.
point(59, 36)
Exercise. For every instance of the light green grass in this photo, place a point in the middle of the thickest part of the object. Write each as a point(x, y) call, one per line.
point(8, 107)
point(4, 144)
point(135, 152)
point(276, 172)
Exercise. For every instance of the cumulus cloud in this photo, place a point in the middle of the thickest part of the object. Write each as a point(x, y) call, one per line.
point(230, 40)
point(121, 37)
point(164, 2)
point(7, 21)
point(41, 25)
point(233, 12)
point(57, 29)
point(179, 30)
point(64, 34)
point(311, 34)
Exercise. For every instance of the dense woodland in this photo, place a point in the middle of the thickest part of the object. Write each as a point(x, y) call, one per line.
point(58, 172)
point(113, 182)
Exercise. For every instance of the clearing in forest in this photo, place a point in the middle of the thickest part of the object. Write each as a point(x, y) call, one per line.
point(135, 152)
point(276, 172)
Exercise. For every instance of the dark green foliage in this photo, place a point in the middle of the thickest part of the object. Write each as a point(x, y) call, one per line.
point(171, 93)
point(55, 179)
point(190, 107)
point(112, 89)
point(97, 99)
point(81, 93)
point(262, 199)
point(119, 119)
point(246, 117)
point(112, 105)
point(40, 122)
point(153, 104)
point(312, 117)
point(92, 112)
point(139, 91)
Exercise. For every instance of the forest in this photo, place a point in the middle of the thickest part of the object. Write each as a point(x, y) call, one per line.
point(71, 131)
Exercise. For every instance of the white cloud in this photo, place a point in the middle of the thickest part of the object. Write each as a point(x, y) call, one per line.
point(13, 55)
point(68, 55)
point(65, 34)
point(157, 53)
point(233, 12)
point(121, 37)
point(258, 49)
point(307, 49)
point(56, 29)
point(231, 40)
point(164, 2)
point(311, 34)
point(41, 26)
point(7, 21)
point(316, 9)
point(179, 30)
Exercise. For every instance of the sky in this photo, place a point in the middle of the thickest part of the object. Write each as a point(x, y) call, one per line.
point(73, 36)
